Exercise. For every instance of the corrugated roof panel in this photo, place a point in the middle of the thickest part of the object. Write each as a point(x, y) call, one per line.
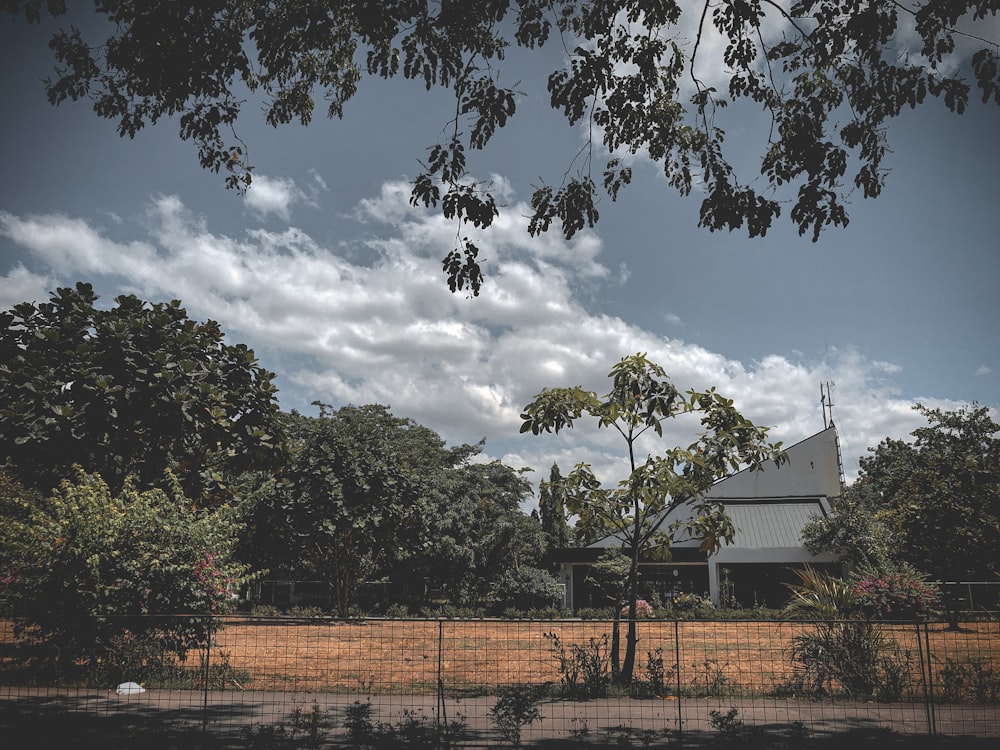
point(771, 525)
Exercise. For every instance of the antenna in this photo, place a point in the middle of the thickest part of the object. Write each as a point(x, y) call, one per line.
point(826, 402)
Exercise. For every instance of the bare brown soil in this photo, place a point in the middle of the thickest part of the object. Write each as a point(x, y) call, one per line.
point(409, 655)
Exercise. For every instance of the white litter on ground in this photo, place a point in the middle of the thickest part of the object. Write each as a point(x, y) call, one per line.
point(130, 688)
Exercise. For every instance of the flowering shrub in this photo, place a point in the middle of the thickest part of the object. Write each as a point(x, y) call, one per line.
point(90, 570)
point(691, 605)
point(903, 595)
point(214, 585)
point(643, 610)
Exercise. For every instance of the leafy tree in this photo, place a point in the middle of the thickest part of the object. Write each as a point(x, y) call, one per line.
point(856, 529)
point(475, 531)
point(829, 74)
point(641, 399)
point(945, 507)
point(129, 392)
point(88, 570)
point(933, 503)
point(354, 496)
point(552, 509)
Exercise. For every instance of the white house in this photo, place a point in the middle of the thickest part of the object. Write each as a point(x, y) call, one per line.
point(768, 509)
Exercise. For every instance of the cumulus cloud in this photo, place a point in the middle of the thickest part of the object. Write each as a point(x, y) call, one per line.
point(389, 332)
point(276, 195)
point(21, 285)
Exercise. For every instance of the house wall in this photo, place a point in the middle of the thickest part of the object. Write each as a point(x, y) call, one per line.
point(761, 584)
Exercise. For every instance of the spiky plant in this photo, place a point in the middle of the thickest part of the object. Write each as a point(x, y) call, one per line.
point(820, 596)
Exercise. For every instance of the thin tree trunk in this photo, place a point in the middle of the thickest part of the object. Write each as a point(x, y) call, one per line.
point(631, 639)
point(616, 642)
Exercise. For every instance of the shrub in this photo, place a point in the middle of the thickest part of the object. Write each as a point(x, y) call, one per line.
point(91, 571)
point(584, 671)
point(397, 611)
point(903, 595)
point(643, 610)
point(516, 708)
point(595, 613)
point(854, 657)
point(972, 681)
point(657, 676)
point(710, 679)
point(686, 606)
point(527, 588)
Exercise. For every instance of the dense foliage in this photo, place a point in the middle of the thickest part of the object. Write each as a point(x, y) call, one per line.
point(902, 595)
point(527, 588)
point(933, 503)
point(352, 491)
point(552, 510)
point(129, 392)
point(662, 496)
point(640, 75)
point(86, 568)
point(368, 496)
point(475, 535)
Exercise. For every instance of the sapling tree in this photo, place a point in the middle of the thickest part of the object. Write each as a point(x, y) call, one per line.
point(641, 399)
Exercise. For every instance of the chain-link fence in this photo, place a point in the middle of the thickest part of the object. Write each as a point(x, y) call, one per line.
point(261, 682)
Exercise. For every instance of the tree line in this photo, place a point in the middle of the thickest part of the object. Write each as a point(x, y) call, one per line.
point(148, 470)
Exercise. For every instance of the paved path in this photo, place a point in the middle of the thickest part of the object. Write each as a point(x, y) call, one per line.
point(228, 713)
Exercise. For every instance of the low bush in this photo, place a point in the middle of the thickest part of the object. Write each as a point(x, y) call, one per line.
point(527, 588)
point(690, 607)
point(584, 670)
point(516, 708)
point(971, 681)
point(643, 610)
point(902, 595)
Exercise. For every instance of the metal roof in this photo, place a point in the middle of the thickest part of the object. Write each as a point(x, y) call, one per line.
point(771, 525)
point(770, 507)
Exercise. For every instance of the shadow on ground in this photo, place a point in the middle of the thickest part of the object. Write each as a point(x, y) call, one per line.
point(47, 723)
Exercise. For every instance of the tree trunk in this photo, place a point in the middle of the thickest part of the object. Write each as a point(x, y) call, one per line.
point(631, 638)
point(616, 642)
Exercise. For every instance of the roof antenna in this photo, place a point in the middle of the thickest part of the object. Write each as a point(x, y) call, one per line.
point(826, 402)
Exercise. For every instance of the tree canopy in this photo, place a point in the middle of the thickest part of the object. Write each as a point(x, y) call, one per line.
point(639, 74)
point(351, 496)
point(367, 495)
point(933, 502)
point(129, 392)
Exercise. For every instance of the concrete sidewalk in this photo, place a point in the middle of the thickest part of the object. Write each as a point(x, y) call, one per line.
point(229, 714)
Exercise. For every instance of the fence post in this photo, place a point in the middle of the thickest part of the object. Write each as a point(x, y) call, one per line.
point(677, 670)
point(208, 659)
point(924, 670)
point(441, 714)
point(930, 678)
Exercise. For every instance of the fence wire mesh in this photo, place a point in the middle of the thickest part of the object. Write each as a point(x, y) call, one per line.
point(497, 682)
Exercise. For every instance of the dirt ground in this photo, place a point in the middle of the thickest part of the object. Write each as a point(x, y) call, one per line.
point(409, 655)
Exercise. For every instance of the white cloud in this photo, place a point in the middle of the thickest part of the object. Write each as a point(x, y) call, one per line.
point(983, 371)
point(391, 333)
point(21, 285)
point(275, 195)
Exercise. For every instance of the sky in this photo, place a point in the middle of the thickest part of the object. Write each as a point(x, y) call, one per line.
point(327, 272)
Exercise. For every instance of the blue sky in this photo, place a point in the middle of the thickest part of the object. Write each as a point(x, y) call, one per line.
point(334, 280)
